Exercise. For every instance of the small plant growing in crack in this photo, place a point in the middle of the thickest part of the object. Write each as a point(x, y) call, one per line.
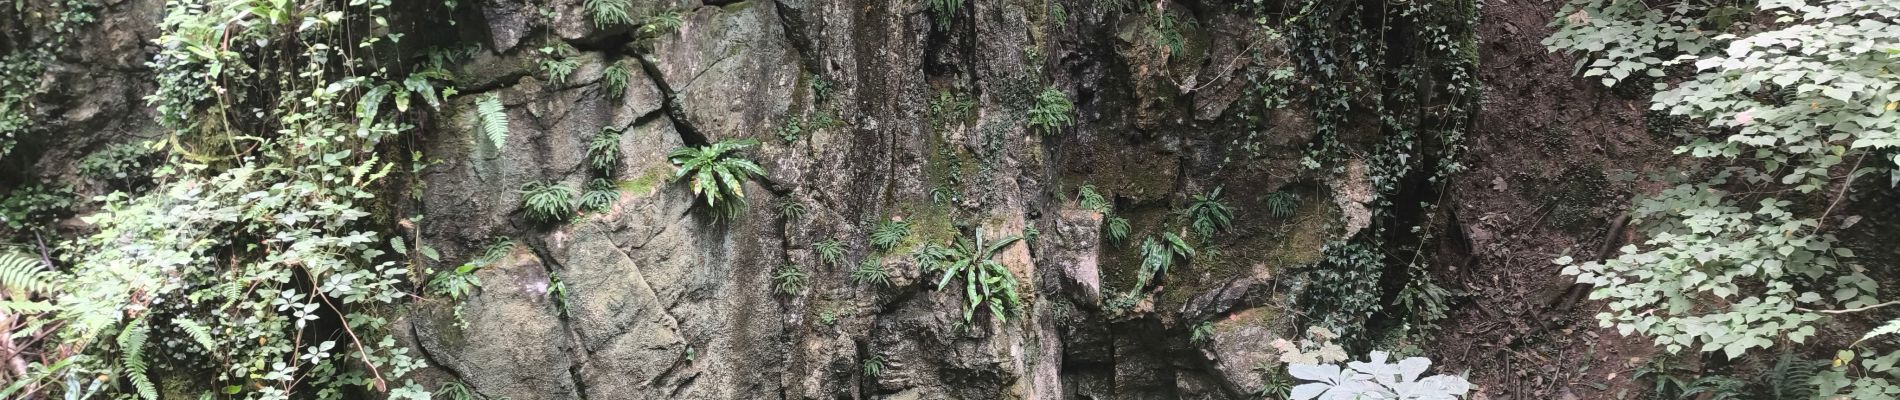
point(1052, 112)
point(548, 202)
point(873, 365)
point(603, 152)
point(889, 233)
point(717, 174)
point(831, 252)
point(617, 76)
point(558, 61)
point(790, 279)
point(790, 209)
point(600, 196)
point(871, 271)
point(1201, 333)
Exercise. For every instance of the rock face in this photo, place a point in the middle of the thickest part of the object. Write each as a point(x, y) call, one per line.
point(868, 111)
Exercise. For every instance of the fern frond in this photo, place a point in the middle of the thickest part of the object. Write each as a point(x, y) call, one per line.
point(198, 332)
point(492, 120)
point(17, 307)
point(25, 273)
point(132, 357)
point(609, 12)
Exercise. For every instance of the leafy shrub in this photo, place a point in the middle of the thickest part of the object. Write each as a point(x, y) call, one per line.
point(603, 152)
point(120, 163)
point(889, 233)
point(717, 174)
point(790, 279)
point(871, 271)
point(985, 281)
point(600, 196)
point(548, 202)
point(34, 206)
point(1052, 111)
point(1206, 214)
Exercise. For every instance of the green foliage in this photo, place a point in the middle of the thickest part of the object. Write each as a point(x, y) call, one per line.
point(600, 196)
point(21, 277)
point(492, 120)
point(1281, 204)
point(1158, 255)
point(19, 73)
point(1201, 333)
point(1117, 229)
point(603, 152)
point(873, 272)
point(873, 365)
point(1207, 214)
point(717, 173)
point(790, 209)
point(1345, 287)
point(663, 22)
point(548, 202)
point(1165, 30)
point(119, 163)
point(131, 343)
point(1052, 111)
point(830, 251)
point(1094, 201)
point(1376, 379)
point(985, 281)
point(1030, 233)
point(558, 60)
point(889, 233)
point(609, 12)
point(557, 289)
point(945, 10)
point(617, 76)
point(1788, 96)
point(1623, 38)
point(34, 206)
point(790, 279)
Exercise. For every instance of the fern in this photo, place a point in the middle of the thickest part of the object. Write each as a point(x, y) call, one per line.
point(790, 279)
point(1158, 255)
point(132, 357)
point(790, 209)
point(717, 174)
point(609, 12)
point(492, 119)
point(1791, 377)
point(871, 271)
point(944, 10)
point(603, 153)
point(1281, 204)
point(22, 272)
point(1052, 111)
point(1208, 214)
point(548, 202)
point(889, 233)
point(198, 332)
point(1093, 201)
point(617, 76)
point(600, 196)
point(830, 251)
point(1117, 229)
point(557, 61)
point(986, 282)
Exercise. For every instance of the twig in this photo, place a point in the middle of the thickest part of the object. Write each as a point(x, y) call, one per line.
point(1850, 310)
point(1838, 195)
